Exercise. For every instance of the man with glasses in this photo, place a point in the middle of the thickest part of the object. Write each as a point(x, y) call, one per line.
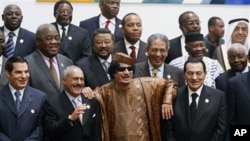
point(157, 51)
point(131, 108)
point(188, 22)
point(75, 42)
point(107, 19)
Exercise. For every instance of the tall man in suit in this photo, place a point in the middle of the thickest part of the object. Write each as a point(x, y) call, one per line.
point(237, 57)
point(157, 50)
point(45, 64)
point(107, 19)
point(64, 119)
point(96, 66)
point(3, 60)
point(200, 112)
point(21, 105)
point(75, 42)
point(132, 44)
point(188, 22)
point(23, 39)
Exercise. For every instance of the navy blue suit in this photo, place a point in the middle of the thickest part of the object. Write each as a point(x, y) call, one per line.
point(77, 44)
point(25, 43)
point(222, 80)
point(141, 55)
point(3, 79)
point(94, 74)
point(92, 24)
point(175, 50)
point(59, 128)
point(25, 125)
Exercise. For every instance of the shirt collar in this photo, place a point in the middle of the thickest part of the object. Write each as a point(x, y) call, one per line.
point(6, 32)
point(71, 98)
point(109, 59)
point(136, 45)
point(151, 66)
point(104, 19)
point(198, 92)
point(13, 90)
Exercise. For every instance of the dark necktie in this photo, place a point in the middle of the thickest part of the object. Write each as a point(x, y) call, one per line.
point(106, 65)
point(18, 100)
point(107, 24)
point(193, 107)
point(132, 54)
point(9, 49)
point(54, 73)
point(63, 33)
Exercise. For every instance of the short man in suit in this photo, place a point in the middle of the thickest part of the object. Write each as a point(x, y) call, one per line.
point(69, 115)
point(200, 112)
point(132, 44)
point(45, 64)
point(21, 105)
point(107, 19)
point(237, 57)
point(157, 50)
point(24, 42)
point(96, 66)
point(3, 78)
point(188, 22)
point(75, 42)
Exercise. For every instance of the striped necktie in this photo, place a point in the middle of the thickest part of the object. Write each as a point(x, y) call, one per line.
point(9, 48)
point(18, 100)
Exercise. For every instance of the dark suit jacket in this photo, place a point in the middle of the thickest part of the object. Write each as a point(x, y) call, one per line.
point(77, 43)
point(94, 74)
point(25, 44)
point(92, 24)
point(239, 99)
point(142, 70)
point(222, 80)
point(3, 78)
point(25, 125)
point(141, 55)
point(210, 122)
point(175, 50)
point(40, 76)
point(59, 128)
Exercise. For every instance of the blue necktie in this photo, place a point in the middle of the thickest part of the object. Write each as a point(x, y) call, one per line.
point(18, 100)
point(9, 48)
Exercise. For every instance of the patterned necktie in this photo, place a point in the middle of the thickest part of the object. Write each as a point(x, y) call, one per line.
point(154, 72)
point(9, 49)
point(76, 104)
point(105, 65)
point(193, 107)
point(107, 24)
point(18, 100)
point(54, 73)
point(132, 54)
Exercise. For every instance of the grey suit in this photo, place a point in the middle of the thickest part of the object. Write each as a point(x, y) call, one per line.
point(142, 70)
point(40, 76)
point(210, 122)
point(141, 55)
point(3, 79)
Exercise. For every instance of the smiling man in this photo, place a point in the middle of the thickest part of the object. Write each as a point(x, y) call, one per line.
point(157, 51)
point(69, 115)
point(21, 104)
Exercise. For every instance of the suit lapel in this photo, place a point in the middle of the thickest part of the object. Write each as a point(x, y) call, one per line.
point(144, 69)
point(87, 111)
point(8, 99)
point(202, 105)
point(26, 101)
point(184, 104)
point(98, 70)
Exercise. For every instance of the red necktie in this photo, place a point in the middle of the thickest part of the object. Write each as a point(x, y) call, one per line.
point(107, 24)
point(132, 54)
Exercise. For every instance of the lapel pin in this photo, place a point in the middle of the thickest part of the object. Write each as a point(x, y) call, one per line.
point(206, 100)
point(21, 41)
point(70, 38)
point(62, 65)
point(32, 111)
point(88, 106)
point(168, 76)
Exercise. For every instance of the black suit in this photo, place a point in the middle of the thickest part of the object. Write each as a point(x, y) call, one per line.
point(77, 43)
point(94, 74)
point(222, 80)
point(142, 70)
point(210, 121)
point(92, 24)
point(58, 127)
point(175, 49)
point(25, 43)
point(141, 55)
point(238, 91)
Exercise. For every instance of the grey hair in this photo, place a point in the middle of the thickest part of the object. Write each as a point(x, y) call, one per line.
point(160, 36)
point(67, 69)
point(39, 31)
point(238, 47)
